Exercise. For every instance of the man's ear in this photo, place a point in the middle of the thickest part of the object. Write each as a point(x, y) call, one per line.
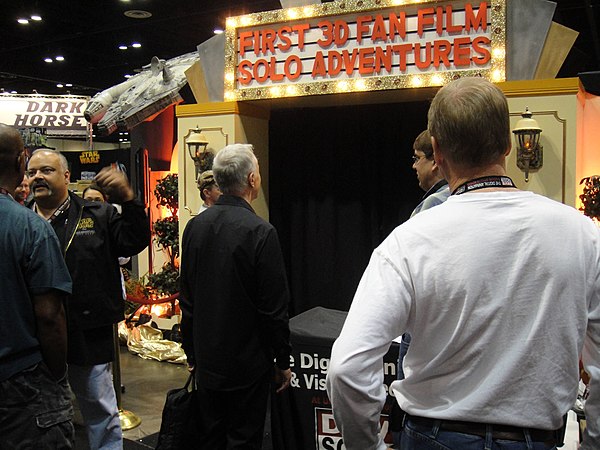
point(252, 179)
point(67, 177)
point(437, 154)
point(20, 161)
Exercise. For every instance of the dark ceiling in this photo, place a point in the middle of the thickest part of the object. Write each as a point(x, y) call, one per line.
point(88, 32)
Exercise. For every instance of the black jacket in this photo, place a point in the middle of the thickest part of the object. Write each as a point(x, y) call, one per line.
point(234, 296)
point(94, 237)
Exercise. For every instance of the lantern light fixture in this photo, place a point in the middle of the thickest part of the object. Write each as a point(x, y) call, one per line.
point(530, 155)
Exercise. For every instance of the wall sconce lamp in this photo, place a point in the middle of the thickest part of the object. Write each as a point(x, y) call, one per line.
point(196, 143)
point(530, 154)
point(197, 146)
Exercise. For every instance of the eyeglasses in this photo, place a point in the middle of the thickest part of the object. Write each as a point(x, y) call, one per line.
point(416, 158)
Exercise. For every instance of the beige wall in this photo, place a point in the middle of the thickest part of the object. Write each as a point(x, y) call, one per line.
point(221, 123)
point(554, 106)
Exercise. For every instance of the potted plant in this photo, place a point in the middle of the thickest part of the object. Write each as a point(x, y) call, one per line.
point(591, 197)
point(161, 286)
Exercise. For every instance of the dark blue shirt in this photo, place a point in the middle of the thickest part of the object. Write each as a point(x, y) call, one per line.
point(31, 263)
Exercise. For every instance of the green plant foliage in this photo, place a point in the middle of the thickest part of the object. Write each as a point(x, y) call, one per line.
point(591, 197)
point(165, 282)
point(167, 192)
point(166, 232)
point(166, 235)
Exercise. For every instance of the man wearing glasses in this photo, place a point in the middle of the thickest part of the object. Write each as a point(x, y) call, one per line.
point(428, 174)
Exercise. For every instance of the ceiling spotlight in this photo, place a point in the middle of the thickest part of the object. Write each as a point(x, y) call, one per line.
point(48, 60)
point(218, 31)
point(122, 47)
point(136, 45)
point(60, 58)
point(36, 17)
point(13, 92)
point(138, 14)
point(69, 85)
point(60, 85)
point(23, 21)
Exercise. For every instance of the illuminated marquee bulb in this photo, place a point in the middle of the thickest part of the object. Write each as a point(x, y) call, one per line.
point(342, 86)
point(231, 22)
point(246, 20)
point(229, 77)
point(498, 52)
point(397, 2)
point(360, 85)
point(292, 13)
point(291, 91)
point(229, 96)
point(275, 91)
point(497, 75)
point(436, 80)
point(308, 11)
point(416, 81)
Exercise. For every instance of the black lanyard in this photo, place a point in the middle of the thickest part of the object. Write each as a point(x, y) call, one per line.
point(484, 182)
point(62, 208)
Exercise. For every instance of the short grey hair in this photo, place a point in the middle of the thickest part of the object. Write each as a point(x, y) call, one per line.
point(64, 164)
point(231, 168)
point(469, 120)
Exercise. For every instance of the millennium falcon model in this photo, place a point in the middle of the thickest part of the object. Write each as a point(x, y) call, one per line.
point(129, 103)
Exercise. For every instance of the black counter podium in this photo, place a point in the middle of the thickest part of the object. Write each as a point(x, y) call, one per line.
point(301, 416)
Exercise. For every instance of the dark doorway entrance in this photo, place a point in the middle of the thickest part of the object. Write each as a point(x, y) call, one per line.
point(340, 180)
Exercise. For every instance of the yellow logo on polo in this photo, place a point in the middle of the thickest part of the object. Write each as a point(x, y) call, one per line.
point(86, 223)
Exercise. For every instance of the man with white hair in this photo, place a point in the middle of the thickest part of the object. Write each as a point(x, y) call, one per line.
point(500, 291)
point(235, 308)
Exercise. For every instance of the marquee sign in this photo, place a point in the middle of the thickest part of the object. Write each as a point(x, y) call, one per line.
point(363, 45)
point(58, 115)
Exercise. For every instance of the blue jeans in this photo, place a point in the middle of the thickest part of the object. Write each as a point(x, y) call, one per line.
point(404, 345)
point(419, 437)
point(93, 387)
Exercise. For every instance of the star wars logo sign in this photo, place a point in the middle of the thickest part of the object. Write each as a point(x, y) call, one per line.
point(330, 438)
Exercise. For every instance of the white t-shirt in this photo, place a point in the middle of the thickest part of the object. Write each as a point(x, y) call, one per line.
point(495, 289)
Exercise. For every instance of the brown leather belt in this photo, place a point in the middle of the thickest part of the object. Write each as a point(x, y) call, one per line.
point(505, 432)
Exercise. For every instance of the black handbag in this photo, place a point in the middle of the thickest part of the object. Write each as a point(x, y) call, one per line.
point(178, 426)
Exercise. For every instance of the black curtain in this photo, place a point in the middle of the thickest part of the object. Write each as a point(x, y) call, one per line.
point(340, 180)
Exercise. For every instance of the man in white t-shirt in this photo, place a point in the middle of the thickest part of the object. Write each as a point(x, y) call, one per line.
point(500, 290)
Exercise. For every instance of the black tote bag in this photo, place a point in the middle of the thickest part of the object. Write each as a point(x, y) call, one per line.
point(178, 426)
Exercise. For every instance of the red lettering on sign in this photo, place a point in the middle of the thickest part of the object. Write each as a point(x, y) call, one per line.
point(462, 51)
point(450, 27)
point(362, 27)
point(424, 19)
point(319, 68)
point(397, 25)
point(478, 43)
point(476, 22)
point(383, 58)
point(366, 61)
point(441, 53)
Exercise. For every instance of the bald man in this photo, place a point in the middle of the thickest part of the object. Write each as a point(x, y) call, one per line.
point(92, 235)
point(35, 401)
